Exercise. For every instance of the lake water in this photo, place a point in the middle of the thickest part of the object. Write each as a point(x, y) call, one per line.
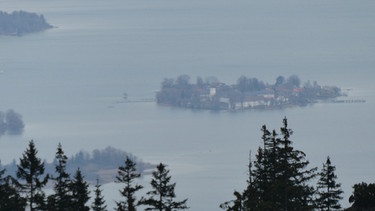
point(67, 82)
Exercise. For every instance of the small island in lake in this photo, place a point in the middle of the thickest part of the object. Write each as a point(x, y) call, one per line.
point(101, 164)
point(19, 23)
point(247, 93)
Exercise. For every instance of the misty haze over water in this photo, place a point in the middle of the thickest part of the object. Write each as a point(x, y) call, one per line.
point(67, 82)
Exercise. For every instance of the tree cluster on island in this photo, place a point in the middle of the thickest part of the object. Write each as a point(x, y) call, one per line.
point(11, 123)
point(279, 179)
point(21, 22)
point(247, 93)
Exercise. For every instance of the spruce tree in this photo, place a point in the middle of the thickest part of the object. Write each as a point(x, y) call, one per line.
point(162, 196)
point(10, 199)
point(279, 176)
point(99, 203)
point(249, 195)
point(31, 172)
point(264, 175)
point(293, 189)
point(328, 190)
point(80, 192)
point(62, 199)
point(126, 175)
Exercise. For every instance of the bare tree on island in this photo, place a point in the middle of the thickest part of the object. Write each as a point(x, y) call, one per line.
point(162, 196)
point(127, 174)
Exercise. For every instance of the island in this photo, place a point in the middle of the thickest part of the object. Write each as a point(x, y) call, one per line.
point(100, 163)
point(19, 23)
point(247, 93)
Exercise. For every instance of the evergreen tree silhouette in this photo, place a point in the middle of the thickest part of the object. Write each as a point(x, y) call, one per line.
point(99, 203)
point(126, 175)
point(162, 196)
point(31, 172)
point(328, 190)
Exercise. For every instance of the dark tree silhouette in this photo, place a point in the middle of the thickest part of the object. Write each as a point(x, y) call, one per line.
point(99, 203)
point(80, 192)
point(31, 172)
point(328, 190)
point(10, 199)
point(295, 193)
point(62, 199)
point(363, 197)
point(264, 175)
point(278, 177)
point(126, 175)
point(162, 196)
point(233, 205)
